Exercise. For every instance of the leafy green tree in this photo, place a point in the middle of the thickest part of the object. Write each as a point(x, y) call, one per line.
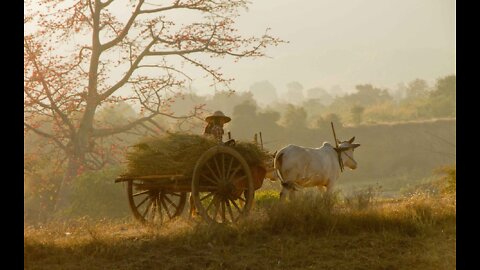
point(324, 123)
point(367, 95)
point(357, 114)
point(443, 98)
point(416, 89)
point(295, 118)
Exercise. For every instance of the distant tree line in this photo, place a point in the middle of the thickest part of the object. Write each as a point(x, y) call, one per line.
point(303, 121)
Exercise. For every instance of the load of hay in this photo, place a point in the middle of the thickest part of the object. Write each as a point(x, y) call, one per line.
point(177, 153)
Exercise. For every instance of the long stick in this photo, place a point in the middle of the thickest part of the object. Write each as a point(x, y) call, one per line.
point(261, 140)
point(336, 145)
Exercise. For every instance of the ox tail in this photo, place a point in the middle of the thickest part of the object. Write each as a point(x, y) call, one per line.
point(277, 165)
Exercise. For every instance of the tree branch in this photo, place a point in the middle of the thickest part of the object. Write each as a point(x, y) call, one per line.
point(45, 86)
point(46, 135)
point(111, 131)
point(129, 73)
point(125, 29)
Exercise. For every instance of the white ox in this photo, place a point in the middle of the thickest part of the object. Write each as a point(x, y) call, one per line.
point(298, 166)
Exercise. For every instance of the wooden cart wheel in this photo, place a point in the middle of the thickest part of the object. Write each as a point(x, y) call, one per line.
point(222, 185)
point(153, 205)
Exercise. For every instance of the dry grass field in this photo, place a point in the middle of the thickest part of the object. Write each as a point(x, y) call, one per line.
point(312, 232)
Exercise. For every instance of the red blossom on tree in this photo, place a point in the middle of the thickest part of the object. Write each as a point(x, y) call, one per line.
point(81, 56)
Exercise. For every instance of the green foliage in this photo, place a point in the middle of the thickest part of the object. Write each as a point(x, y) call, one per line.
point(449, 178)
point(295, 117)
point(357, 114)
point(362, 199)
point(421, 102)
point(367, 95)
point(416, 89)
point(248, 120)
point(95, 194)
point(325, 122)
point(41, 182)
point(265, 198)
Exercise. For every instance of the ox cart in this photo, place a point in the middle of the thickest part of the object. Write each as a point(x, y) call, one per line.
point(222, 189)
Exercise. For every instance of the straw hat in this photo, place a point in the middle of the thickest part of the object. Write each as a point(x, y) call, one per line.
point(218, 115)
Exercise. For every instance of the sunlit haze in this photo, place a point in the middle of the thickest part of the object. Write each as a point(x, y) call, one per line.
point(348, 42)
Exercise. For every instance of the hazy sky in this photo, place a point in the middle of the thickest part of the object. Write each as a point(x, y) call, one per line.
point(344, 43)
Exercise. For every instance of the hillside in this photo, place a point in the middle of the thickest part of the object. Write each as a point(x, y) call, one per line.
point(392, 155)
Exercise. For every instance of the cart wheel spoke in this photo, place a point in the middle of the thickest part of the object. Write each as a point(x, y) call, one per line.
point(147, 207)
point(220, 172)
point(216, 205)
point(170, 201)
point(233, 174)
point(223, 212)
point(160, 210)
point(140, 193)
point(207, 196)
point(144, 200)
point(210, 179)
point(224, 176)
point(165, 206)
point(230, 210)
point(213, 173)
point(236, 206)
point(210, 204)
point(153, 209)
point(227, 176)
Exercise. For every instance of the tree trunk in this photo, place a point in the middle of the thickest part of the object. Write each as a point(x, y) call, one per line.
point(75, 164)
point(80, 141)
point(65, 188)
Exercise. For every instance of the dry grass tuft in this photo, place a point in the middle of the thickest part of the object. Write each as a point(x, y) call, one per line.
point(313, 232)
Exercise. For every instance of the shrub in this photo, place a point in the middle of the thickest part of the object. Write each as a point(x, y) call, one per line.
point(265, 198)
point(363, 198)
point(95, 194)
point(449, 178)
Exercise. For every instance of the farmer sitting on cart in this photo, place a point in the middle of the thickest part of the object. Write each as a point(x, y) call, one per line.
point(215, 127)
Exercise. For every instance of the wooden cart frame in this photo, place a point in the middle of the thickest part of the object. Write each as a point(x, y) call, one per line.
point(222, 189)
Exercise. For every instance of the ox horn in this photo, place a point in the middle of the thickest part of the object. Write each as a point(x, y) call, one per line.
point(351, 140)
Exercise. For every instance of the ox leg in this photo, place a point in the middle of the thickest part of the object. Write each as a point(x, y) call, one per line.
point(329, 187)
point(322, 188)
point(283, 194)
point(291, 194)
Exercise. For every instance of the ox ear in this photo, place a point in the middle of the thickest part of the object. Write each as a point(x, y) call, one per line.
point(355, 145)
point(351, 140)
point(338, 141)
